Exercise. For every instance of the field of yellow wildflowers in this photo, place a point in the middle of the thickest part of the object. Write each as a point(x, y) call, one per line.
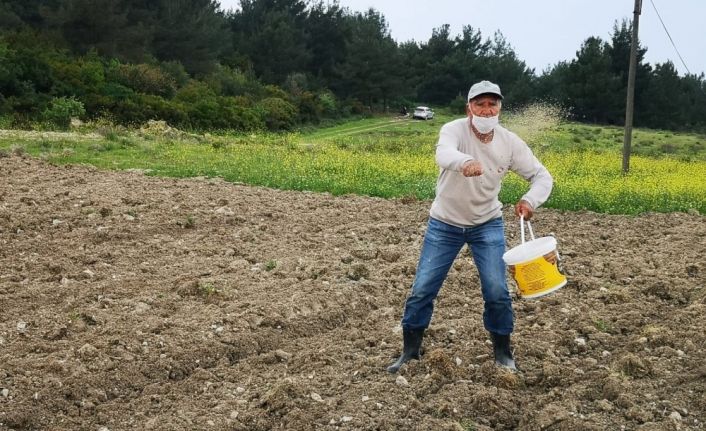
point(392, 157)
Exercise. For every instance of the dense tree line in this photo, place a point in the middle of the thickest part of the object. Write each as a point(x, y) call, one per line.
point(278, 63)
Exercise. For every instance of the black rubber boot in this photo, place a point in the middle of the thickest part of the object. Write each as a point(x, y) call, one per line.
point(503, 353)
point(411, 350)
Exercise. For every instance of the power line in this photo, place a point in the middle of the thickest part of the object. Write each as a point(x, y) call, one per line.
point(669, 36)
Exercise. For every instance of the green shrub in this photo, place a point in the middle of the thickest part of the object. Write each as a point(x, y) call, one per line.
point(224, 113)
point(204, 114)
point(273, 91)
point(458, 105)
point(62, 109)
point(67, 75)
point(278, 113)
point(115, 91)
point(194, 92)
point(91, 70)
point(176, 71)
point(141, 108)
point(243, 101)
point(98, 105)
point(20, 121)
point(309, 107)
point(354, 107)
point(5, 107)
point(329, 104)
point(5, 71)
point(146, 78)
point(225, 81)
point(235, 116)
point(296, 83)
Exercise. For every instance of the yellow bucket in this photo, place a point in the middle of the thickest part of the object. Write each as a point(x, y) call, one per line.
point(533, 265)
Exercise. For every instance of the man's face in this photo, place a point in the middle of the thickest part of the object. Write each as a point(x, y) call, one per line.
point(484, 106)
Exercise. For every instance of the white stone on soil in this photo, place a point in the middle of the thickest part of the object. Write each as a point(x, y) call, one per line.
point(401, 381)
point(224, 211)
point(142, 307)
point(88, 351)
point(21, 326)
point(282, 355)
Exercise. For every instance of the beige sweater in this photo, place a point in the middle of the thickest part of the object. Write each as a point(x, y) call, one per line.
point(470, 201)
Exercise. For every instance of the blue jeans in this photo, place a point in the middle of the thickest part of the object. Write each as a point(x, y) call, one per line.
point(442, 242)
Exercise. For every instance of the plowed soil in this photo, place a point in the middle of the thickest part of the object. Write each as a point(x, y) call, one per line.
point(133, 302)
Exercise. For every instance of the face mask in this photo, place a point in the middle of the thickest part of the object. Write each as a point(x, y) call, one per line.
point(484, 124)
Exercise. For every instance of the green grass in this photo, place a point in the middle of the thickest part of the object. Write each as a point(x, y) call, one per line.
point(603, 325)
point(648, 143)
point(389, 157)
point(207, 290)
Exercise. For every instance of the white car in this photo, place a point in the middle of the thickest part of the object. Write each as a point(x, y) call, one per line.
point(423, 113)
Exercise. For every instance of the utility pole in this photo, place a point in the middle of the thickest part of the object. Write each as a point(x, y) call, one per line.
point(630, 106)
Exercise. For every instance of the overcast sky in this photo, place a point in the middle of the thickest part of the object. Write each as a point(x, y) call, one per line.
point(544, 32)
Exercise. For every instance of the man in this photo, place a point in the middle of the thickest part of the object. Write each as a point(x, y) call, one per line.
point(474, 154)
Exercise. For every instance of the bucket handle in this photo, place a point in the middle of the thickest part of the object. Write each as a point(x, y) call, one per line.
point(529, 226)
point(522, 228)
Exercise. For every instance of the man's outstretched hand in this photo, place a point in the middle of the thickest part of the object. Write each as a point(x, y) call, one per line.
point(523, 208)
point(472, 168)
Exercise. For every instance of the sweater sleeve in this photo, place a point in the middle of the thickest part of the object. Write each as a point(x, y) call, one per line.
point(448, 155)
point(525, 164)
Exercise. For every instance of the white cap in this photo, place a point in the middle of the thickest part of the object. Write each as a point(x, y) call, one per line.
point(484, 87)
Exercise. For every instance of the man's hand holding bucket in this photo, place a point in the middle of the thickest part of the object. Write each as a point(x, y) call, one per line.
point(524, 209)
